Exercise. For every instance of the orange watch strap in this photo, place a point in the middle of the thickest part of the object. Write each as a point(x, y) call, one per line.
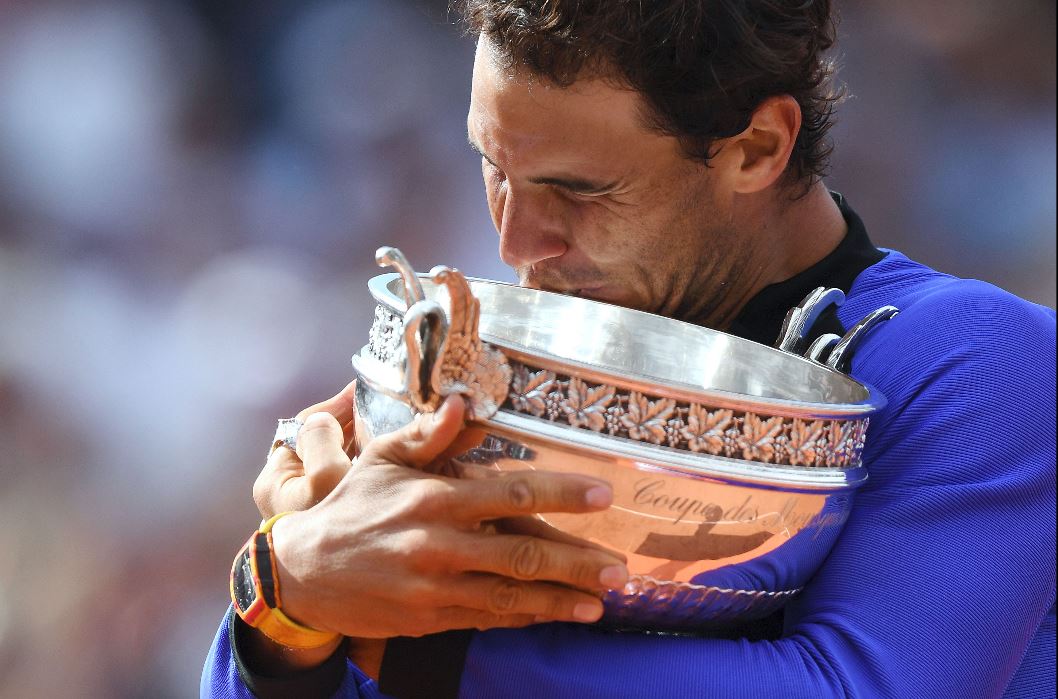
point(270, 620)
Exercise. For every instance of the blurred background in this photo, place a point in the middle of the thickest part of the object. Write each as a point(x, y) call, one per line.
point(190, 196)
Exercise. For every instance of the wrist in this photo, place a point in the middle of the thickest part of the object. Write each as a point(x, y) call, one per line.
point(258, 599)
point(299, 602)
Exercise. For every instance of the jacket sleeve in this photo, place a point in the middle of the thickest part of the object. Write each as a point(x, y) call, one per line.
point(941, 583)
point(226, 676)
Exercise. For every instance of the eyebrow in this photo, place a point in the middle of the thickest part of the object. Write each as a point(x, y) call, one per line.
point(572, 184)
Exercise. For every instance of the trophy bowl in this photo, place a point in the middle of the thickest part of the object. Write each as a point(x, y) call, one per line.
point(733, 464)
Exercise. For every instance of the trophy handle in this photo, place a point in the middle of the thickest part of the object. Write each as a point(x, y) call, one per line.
point(425, 328)
point(838, 351)
point(800, 319)
point(441, 352)
point(822, 344)
point(829, 350)
point(387, 256)
point(840, 358)
point(405, 374)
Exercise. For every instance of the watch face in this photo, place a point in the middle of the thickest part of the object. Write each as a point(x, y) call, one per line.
point(242, 582)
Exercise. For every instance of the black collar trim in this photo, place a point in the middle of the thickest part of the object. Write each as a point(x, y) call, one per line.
point(761, 318)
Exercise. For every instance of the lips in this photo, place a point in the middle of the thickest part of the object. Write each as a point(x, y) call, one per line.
point(597, 292)
point(607, 294)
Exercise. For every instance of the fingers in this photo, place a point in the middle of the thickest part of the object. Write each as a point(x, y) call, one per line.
point(529, 558)
point(417, 444)
point(527, 492)
point(340, 406)
point(284, 484)
point(273, 491)
point(499, 597)
point(446, 463)
point(464, 618)
point(321, 449)
point(532, 526)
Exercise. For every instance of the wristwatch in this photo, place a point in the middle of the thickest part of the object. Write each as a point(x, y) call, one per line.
point(255, 594)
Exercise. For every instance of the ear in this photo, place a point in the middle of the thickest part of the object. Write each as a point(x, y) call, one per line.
point(763, 149)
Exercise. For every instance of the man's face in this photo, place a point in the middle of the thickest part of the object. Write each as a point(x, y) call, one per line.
point(588, 201)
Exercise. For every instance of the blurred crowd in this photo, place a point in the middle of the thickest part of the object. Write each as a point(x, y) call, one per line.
point(191, 193)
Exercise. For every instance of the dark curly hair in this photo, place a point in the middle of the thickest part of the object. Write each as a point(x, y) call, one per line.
point(703, 66)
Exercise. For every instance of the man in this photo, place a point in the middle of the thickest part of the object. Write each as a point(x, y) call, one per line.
point(667, 156)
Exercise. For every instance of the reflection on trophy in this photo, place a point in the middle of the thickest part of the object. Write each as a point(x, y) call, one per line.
point(733, 464)
point(701, 544)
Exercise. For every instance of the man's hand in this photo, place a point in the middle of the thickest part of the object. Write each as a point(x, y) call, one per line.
point(395, 551)
point(286, 483)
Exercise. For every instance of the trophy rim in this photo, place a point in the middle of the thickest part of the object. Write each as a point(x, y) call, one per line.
point(381, 289)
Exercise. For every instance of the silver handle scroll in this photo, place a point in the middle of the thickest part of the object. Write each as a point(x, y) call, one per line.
point(837, 350)
point(443, 352)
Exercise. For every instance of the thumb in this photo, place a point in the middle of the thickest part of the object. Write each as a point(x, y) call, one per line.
point(320, 447)
point(417, 444)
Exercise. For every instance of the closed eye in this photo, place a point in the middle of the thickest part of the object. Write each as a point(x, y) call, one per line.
point(577, 187)
point(570, 185)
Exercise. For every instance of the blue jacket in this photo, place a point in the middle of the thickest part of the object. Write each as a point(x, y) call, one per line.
point(943, 581)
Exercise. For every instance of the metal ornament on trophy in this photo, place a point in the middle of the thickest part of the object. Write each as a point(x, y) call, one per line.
point(733, 464)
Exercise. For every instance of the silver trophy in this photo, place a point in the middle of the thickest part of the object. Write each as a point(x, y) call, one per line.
point(733, 464)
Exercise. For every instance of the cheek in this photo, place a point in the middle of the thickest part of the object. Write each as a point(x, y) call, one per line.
point(638, 250)
point(614, 235)
point(592, 224)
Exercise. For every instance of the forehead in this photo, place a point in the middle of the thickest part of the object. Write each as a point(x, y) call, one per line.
point(522, 118)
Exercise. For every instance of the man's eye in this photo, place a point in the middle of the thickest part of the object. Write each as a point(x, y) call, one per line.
point(577, 195)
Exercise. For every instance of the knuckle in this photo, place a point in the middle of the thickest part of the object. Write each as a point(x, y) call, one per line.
point(413, 497)
point(420, 592)
point(262, 493)
point(526, 559)
point(520, 495)
point(415, 544)
point(413, 433)
point(517, 621)
point(385, 447)
point(425, 496)
point(259, 489)
point(485, 622)
point(424, 555)
point(503, 597)
point(325, 478)
point(584, 573)
point(320, 427)
point(398, 447)
point(557, 605)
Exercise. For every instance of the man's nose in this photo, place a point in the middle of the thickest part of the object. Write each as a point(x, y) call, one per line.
point(530, 228)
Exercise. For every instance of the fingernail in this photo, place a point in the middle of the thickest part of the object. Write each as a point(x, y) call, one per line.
point(599, 497)
point(587, 611)
point(613, 577)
